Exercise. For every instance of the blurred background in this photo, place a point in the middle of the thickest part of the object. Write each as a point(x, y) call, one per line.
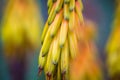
point(99, 11)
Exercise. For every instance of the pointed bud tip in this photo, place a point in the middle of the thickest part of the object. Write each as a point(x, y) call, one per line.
point(66, 18)
point(52, 35)
point(43, 55)
point(48, 74)
point(55, 63)
point(71, 9)
point(49, 23)
point(41, 42)
point(66, 2)
point(63, 72)
point(39, 71)
point(61, 46)
point(54, 1)
point(63, 76)
point(57, 11)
